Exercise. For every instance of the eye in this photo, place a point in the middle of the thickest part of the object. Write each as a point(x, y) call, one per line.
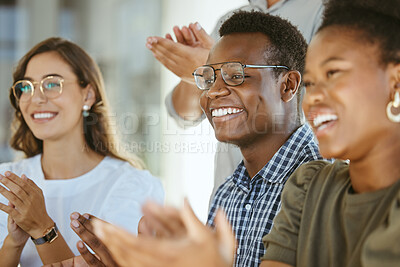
point(237, 77)
point(330, 73)
point(308, 84)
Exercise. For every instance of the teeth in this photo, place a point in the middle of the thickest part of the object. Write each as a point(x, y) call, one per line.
point(320, 119)
point(224, 111)
point(43, 115)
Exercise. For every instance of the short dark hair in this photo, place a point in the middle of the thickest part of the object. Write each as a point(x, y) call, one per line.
point(288, 45)
point(378, 22)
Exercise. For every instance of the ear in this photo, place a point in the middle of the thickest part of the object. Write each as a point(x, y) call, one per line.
point(394, 81)
point(290, 84)
point(89, 96)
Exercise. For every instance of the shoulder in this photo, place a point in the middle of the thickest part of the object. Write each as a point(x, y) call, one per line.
point(23, 166)
point(318, 171)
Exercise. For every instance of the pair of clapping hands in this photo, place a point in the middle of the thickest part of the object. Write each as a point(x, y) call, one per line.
point(186, 54)
point(167, 237)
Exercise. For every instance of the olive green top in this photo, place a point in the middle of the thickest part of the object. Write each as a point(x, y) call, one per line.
point(322, 221)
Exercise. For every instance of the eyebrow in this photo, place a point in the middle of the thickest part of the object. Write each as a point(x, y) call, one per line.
point(326, 61)
point(44, 76)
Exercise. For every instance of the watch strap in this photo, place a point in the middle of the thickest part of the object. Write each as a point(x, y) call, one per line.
point(49, 236)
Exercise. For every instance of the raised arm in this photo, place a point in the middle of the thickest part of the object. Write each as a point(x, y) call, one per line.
point(182, 57)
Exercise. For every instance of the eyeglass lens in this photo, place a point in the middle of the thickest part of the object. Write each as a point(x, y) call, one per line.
point(232, 74)
point(50, 86)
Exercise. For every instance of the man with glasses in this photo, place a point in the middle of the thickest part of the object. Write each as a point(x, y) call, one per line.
point(191, 50)
point(251, 94)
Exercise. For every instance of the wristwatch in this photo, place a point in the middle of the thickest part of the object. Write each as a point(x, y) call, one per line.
point(49, 236)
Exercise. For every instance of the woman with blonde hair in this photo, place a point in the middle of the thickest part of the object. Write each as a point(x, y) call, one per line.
point(73, 163)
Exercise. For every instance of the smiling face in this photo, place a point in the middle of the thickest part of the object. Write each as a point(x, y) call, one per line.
point(244, 113)
point(52, 119)
point(347, 93)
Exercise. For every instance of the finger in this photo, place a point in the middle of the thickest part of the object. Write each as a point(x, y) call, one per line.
point(225, 236)
point(202, 36)
point(83, 228)
point(129, 250)
point(32, 185)
point(165, 221)
point(169, 37)
point(194, 226)
point(190, 39)
point(150, 41)
point(89, 258)
point(15, 184)
point(178, 35)
point(144, 228)
point(11, 197)
point(83, 219)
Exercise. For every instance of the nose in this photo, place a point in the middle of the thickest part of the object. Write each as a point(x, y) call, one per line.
point(314, 94)
point(38, 96)
point(218, 89)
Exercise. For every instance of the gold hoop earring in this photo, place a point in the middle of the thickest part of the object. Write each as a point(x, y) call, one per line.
point(395, 103)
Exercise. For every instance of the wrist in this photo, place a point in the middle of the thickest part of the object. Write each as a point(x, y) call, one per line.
point(49, 236)
point(42, 229)
point(10, 243)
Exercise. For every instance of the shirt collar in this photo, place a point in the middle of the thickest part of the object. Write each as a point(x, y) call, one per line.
point(283, 161)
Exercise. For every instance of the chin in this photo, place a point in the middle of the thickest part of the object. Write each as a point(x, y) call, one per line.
point(332, 152)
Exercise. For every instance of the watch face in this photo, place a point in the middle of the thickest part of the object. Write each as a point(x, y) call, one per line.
point(49, 236)
point(53, 234)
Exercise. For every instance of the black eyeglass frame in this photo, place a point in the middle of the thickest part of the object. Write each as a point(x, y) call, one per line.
point(253, 66)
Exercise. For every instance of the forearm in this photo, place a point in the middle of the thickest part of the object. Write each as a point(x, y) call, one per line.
point(10, 254)
point(55, 251)
point(185, 99)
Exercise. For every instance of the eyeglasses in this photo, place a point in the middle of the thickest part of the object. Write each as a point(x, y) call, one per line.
point(232, 73)
point(51, 87)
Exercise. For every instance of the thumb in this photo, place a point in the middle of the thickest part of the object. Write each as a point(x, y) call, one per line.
point(225, 237)
point(202, 36)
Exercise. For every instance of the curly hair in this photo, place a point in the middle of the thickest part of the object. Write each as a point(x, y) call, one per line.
point(287, 45)
point(376, 22)
point(98, 130)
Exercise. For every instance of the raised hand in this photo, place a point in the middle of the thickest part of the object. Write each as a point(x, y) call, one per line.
point(83, 227)
point(28, 209)
point(186, 54)
point(200, 246)
point(161, 221)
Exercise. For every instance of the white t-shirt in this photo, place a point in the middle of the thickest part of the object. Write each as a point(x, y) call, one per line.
point(113, 191)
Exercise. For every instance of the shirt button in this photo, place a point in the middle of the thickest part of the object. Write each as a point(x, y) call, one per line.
point(247, 207)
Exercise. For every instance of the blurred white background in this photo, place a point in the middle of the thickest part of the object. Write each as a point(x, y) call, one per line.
point(114, 33)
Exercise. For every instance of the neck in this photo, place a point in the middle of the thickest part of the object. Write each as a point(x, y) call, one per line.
point(379, 169)
point(257, 153)
point(68, 159)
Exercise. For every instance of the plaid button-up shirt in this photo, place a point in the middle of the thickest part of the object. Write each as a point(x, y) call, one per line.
point(251, 204)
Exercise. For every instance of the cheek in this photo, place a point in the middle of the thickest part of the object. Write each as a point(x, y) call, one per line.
point(203, 101)
point(24, 111)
